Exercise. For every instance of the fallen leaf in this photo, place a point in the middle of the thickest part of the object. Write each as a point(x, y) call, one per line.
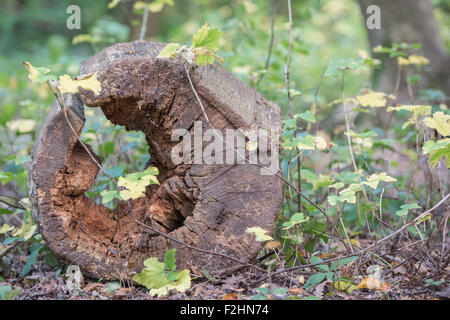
point(374, 284)
point(92, 286)
point(270, 245)
point(296, 291)
point(230, 296)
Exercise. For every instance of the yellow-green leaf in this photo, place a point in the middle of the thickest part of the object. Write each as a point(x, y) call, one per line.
point(113, 4)
point(169, 51)
point(207, 37)
point(375, 178)
point(136, 183)
point(182, 284)
point(38, 74)
point(260, 234)
point(68, 85)
point(6, 228)
point(440, 121)
point(416, 110)
point(21, 125)
point(154, 6)
point(413, 59)
point(374, 99)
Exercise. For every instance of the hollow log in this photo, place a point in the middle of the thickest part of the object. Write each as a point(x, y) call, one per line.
point(204, 205)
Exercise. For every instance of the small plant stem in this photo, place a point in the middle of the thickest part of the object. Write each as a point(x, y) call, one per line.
point(288, 63)
point(144, 24)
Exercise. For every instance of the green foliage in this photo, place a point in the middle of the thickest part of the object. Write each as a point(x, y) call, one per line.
point(326, 272)
point(8, 293)
point(405, 208)
point(160, 278)
point(205, 43)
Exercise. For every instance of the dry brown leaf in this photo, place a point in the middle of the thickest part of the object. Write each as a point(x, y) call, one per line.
point(230, 296)
point(296, 291)
point(324, 255)
point(270, 245)
point(374, 284)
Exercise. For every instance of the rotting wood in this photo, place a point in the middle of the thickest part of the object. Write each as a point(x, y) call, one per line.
point(208, 206)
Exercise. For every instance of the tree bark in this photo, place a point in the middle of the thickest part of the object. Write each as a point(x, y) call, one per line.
point(208, 206)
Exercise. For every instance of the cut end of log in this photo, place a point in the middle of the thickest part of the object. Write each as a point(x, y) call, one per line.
point(206, 206)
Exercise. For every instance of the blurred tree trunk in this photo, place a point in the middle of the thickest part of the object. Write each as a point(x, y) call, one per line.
point(410, 21)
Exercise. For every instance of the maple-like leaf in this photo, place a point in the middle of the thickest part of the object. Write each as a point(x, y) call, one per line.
point(169, 51)
point(260, 234)
point(68, 85)
point(440, 121)
point(374, 99)
point(374, 179)
point(38, 74)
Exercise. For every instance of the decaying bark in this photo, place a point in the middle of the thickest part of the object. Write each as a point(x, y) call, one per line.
point(208, 206)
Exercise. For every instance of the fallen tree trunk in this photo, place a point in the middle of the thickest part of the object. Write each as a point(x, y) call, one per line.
point(207, 206)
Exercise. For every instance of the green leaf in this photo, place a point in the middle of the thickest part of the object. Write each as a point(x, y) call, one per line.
point(207, 37)
point(314, 280)
point(290, 123)
point(153, 275)
point(322, 267)
point(6, 177)
point(136, 183)
point(322, 181)
point(170, 260)
point(346, 195)
point(108, 196)
point(340, 263)
point(7, 293)
point(182, 284)
point(160, 282)
point(5, 211)
point(31, 260)
point(169, 51)
point(296, 219)
point(21, 160)
point(260, 234)
point(38, 74)
point(405, 208)
point(308, 116)
point(111, 287)
point(172, 276)
point(362, 135)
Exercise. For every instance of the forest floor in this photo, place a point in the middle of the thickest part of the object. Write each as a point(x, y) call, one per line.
point(408, 280)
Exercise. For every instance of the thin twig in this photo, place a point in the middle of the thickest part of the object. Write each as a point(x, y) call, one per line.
point(272, 38)
point(360, 252)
